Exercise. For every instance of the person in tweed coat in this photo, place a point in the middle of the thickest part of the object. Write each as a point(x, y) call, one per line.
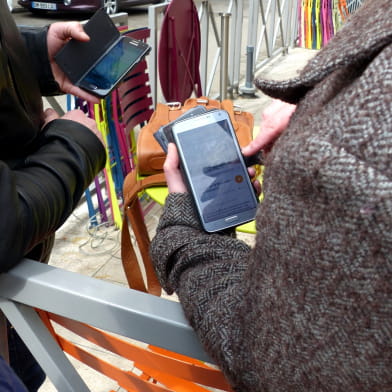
point(309, 307)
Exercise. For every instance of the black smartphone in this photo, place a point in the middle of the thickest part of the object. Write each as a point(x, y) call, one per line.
point(99, 65)
point(215, 171)
point(164, 134)
point(105, 75)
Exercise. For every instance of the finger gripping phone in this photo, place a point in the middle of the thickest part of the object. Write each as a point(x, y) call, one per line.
point(98, 65)
point(214, 170)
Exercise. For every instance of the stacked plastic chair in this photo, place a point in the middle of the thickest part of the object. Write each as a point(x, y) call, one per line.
point(117, 116)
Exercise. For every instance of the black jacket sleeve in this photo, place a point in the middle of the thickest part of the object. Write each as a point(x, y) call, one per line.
point(40, 192)
point(36, 41)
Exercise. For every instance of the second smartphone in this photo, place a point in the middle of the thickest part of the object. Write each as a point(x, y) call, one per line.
point(214, 170)
point(104, 76)
point(100, 64)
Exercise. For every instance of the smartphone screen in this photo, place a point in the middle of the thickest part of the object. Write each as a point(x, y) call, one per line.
point(113, 66)
point(215, 170)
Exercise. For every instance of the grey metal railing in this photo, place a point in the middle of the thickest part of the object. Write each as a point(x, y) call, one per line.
point(272, 30)
point(227, 57)
point(104, 305)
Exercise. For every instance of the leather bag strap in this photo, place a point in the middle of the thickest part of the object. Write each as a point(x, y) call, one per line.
point(133, 217)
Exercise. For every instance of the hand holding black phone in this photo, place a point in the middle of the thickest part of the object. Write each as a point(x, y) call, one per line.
point(98, 65)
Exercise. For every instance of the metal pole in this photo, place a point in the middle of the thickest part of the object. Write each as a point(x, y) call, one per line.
point(236, 10)
point(153, 12)
point(225, 18)
point(153, 57)
point(249, 88)
point(204, 31)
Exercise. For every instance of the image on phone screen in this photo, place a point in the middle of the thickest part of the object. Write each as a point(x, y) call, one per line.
point(215, 171)
point(106, 74)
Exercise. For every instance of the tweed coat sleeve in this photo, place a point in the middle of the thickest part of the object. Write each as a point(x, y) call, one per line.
point(205, 270)
point(309, 308)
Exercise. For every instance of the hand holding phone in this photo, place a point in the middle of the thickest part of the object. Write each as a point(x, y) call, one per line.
point(214, 170)
point(98, 65)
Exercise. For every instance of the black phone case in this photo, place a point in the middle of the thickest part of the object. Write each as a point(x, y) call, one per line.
point(164, 134)
point(76, 57)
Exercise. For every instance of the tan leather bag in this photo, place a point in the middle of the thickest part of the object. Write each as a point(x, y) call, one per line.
point(150, 156)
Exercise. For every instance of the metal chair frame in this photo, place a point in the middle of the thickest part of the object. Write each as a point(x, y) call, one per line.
point(115, 309)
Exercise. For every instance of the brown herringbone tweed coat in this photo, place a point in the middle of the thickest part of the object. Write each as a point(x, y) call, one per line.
point(309, 308)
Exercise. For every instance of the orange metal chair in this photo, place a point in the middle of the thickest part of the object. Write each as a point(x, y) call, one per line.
point(110, 318)
point(154, 369)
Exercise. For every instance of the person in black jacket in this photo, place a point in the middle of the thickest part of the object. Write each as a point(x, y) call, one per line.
point(46, 161)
